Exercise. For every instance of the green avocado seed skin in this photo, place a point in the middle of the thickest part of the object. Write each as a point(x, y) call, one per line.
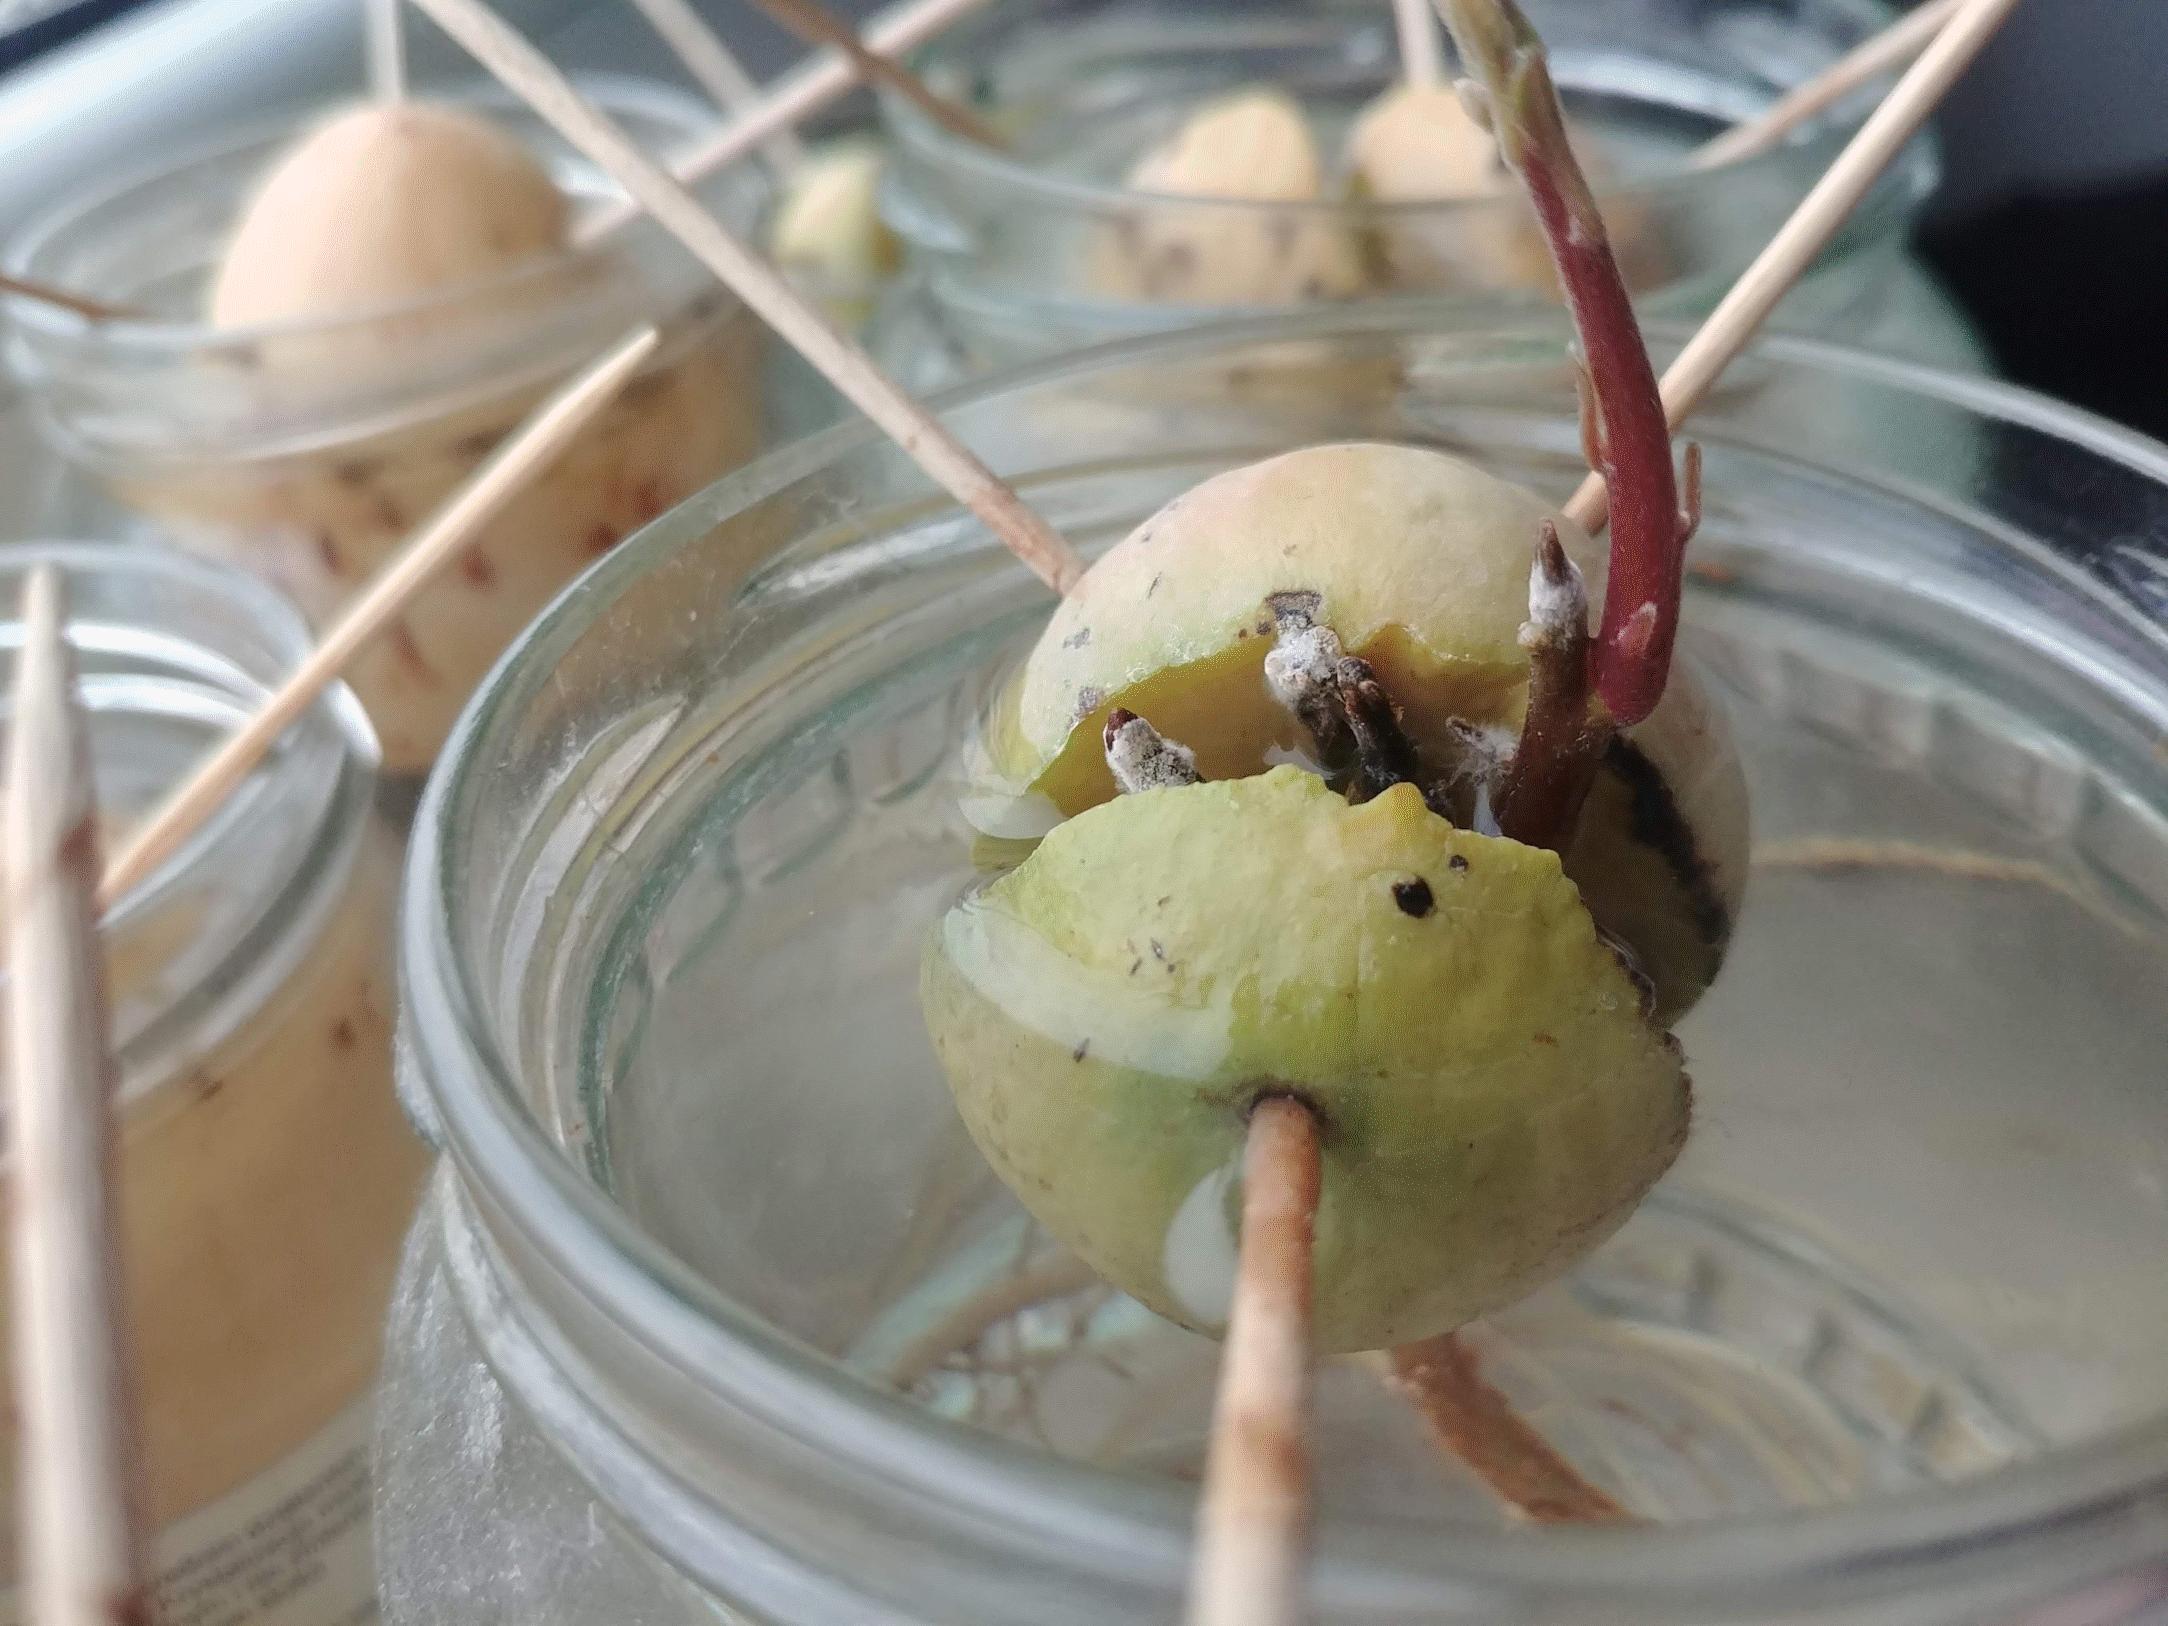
point(1494, 1101)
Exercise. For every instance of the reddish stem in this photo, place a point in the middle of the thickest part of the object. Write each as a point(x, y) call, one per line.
point(1473, 1421)
point(1631, 658)
point(1539, 797)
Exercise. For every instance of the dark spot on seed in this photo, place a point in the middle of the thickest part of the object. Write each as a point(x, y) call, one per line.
point(1295, 607)
point(1159, 950)
point(1081, 1051)
point(1654, 820)
point(1077, 639)
point(1413, 897)
point(478, 570)
point(342, 1034)
point(389, 514)
point(1163, 902)
point(356, 471)
point(648, 499)
point(477, 444)
point(1456, 862)
point(1136, 965)
point(600, 539)
point(402, 642)
point(1156, 580)
point(1546, 1039)
point(327, 549)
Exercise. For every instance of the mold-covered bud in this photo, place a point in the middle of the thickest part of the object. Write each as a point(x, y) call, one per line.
point(1493, 1100)
point(1237, 155)
point(1140, 758)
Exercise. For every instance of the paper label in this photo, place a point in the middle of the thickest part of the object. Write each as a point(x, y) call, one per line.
point(289, 1548)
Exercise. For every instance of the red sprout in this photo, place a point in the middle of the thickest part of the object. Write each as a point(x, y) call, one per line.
point(1631, 656)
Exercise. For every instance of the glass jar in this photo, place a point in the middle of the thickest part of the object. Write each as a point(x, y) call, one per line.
point(1048, 247)
point(715, 1313)
point(265, 1171)
point(309, 451)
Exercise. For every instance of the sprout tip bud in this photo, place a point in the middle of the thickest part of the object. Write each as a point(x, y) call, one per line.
point(1141, 758)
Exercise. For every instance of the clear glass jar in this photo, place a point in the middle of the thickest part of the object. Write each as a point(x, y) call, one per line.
point(310, 451)
point(1038, 251)
point(265, 1171)
point(715, 1313)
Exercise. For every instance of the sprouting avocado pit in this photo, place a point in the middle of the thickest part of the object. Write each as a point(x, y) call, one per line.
point(1347, 794)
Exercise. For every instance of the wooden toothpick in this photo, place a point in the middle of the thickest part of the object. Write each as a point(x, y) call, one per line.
point(432, 550)
point(715, 69)
point(385, 24)
point(1817, 219)
point(1253, 1529)
point(951, 465)
point(1862, 65)
point(81, 1498)
point(799, 95)
point(816, 25)
point(1422, 61)
point(97, 310)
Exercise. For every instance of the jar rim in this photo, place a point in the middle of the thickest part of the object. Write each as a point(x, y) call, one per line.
point(1908, 180)
point(323, 769)
point(2074, 1496)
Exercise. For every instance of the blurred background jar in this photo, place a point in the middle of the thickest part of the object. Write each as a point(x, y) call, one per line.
point(309, 449)
point(1073, 234)
point(265, 1171)
point(714, 1312)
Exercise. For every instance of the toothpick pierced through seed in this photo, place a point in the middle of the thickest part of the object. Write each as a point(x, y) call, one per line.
point(922, 437)
point(1253, 1532)
point(796, 97)
point(1862, 65)
point(1422, 60)
point(384, 22)
point(45, 293)
point(712, 66)
point(81, 1502)
point(816, 25)
point(1686, 384)
point(1478, 1426)
point(432, 551)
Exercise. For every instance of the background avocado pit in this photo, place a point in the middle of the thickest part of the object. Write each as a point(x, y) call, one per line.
point(391, 244)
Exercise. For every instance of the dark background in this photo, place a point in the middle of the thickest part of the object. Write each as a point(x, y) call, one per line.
point(2052, 226)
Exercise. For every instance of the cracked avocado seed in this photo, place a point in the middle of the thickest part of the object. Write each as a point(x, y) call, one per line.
point(1494, 1103)
point(1419, 562)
